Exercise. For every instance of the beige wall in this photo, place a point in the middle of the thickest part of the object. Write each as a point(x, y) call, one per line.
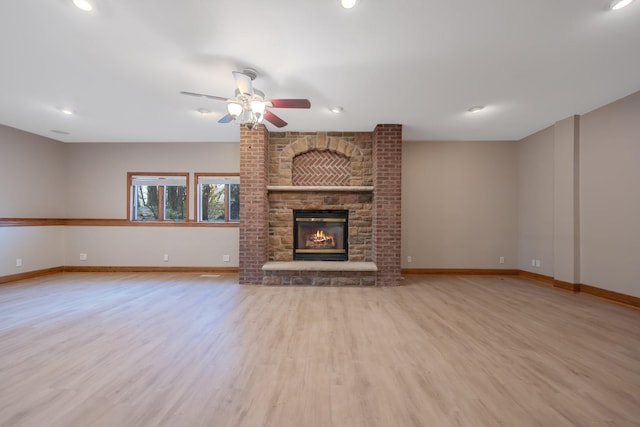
point(535, 202)
point(579, 198)
point(32, 171)
point(146, 246)
point(32, 175)
point(566, 236)
point(610, 196)
point(105, 166)
point(459, 204)
point(39, 248)
point(90, 166)
point(43, 178)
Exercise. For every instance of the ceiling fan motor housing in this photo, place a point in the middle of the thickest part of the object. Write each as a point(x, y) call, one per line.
point(250, 72)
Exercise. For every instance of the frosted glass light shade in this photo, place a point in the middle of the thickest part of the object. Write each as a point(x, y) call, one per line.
point(234, 109)
point(258, 107)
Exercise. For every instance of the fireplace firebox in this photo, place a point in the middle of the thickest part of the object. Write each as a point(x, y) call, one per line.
point(320, 235)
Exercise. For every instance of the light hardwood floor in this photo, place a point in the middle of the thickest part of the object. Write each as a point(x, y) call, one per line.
point(120, 349)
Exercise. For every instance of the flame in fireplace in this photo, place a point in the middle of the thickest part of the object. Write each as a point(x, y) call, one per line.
point(320, 239)
point(319, 235)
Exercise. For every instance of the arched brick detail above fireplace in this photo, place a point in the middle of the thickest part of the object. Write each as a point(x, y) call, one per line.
point(321, 168)
point(329, 151)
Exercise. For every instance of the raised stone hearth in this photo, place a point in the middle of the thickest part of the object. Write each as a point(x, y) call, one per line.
point(320, 266)
point(320, 273)
point(354, 171)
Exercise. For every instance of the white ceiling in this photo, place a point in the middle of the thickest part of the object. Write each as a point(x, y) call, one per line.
point(420, 63)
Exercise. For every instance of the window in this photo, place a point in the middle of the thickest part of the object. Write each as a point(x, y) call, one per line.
point(218, 197)
point(158, 197)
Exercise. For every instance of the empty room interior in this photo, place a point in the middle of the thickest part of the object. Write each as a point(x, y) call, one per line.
point(329, 213)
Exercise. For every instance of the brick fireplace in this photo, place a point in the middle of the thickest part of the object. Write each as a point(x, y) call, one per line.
point(283, 172)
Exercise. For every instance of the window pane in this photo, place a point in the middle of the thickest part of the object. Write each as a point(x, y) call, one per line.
point(234, 202)
point(212, 202)
point(175, 198)
point(146, 202)
point(218, 198)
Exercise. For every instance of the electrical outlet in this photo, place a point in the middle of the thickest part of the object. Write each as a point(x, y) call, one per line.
point(409, 259)
point(226, 258)
point(537, 263)
point(533, 263)
point(165, 258)
point(501, 260)
point(83, 257)
point(18, 262)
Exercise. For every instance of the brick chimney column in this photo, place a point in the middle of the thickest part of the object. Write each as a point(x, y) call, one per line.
point(254, 206)
point(387, 199)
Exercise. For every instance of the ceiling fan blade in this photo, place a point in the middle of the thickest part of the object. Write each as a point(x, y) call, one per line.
point(274, 120)
point(226, 119)
point(243, 82)
point(201, 95)
point(290, 103)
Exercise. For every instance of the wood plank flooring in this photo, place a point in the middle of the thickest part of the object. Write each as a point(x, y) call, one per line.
point(116, 349)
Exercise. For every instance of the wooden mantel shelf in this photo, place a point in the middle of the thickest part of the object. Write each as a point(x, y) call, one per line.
point(346, 189)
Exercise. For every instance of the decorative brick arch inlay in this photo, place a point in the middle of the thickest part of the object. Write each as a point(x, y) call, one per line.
point(321, 143)
point(321, 168)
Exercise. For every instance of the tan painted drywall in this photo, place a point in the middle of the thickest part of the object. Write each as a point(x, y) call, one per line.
point(459, 204)
point(535, 201)
point(106, 166)
point(146, 246)
point(610, 196)
point(32, 175)
point(39, 248)
point(566, 253)
point(32, 170)
point(43, 178)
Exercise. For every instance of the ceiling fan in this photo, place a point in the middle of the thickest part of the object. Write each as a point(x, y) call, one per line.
point(249, 105)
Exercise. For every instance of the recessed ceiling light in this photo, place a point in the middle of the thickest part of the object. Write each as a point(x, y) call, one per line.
point(203, 111)
point(67, 111)
point(336, 109)
point(348, 4)
point(619, 4)
point(83, 5)
point(476, 109)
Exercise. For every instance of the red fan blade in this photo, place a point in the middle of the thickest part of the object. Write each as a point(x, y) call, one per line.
point(243, 82)
point(274, 120)
point(290, 103)
point(201, 95)
point(226, 119)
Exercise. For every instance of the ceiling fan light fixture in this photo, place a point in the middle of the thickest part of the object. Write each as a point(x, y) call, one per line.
point(476, 109)
point(258, 106)
point(348, 4)
point(619, 4)
point(249, 107)
point(83, 5)
point(234, 109)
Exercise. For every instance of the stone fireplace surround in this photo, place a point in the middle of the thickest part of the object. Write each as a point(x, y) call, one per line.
point(358, 171)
